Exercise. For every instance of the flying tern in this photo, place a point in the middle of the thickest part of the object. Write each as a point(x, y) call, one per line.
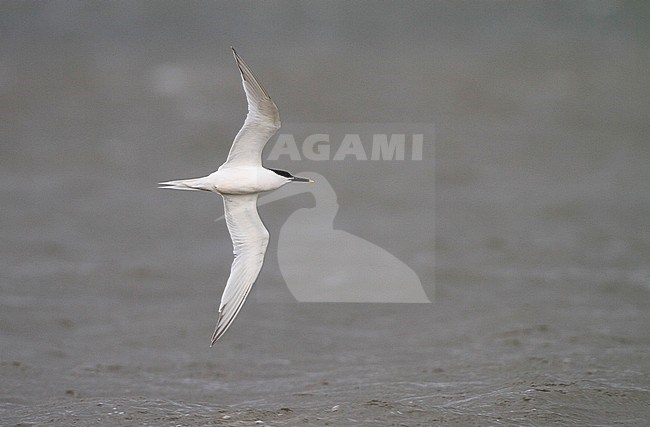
point(239, 181)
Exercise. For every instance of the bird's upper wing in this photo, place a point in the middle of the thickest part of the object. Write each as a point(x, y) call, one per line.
point(249, 241)
point(262, 121)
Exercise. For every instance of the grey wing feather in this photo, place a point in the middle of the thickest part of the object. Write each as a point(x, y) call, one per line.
point(249, 239)
point(262, 121)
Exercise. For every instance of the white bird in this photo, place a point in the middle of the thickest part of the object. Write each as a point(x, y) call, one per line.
point(239, 181)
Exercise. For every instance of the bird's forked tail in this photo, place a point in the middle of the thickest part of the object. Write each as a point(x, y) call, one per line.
point(198, 184)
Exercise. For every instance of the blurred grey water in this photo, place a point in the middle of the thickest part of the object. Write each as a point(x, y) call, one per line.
point(531, 235)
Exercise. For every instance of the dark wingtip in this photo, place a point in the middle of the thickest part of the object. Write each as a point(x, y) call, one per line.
point(215, 335)
point(214, 339)
point(238, 61)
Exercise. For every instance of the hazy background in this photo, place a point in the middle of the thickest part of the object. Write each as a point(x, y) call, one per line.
point(539, 176)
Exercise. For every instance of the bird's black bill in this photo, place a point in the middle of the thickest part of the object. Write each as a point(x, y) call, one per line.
point(299, 179)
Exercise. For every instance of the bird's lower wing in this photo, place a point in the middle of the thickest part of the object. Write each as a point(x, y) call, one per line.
point(249, 240)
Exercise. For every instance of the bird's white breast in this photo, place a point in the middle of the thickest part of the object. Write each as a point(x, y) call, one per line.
point(246, 180)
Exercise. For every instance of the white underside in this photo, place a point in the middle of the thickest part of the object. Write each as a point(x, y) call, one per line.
point(233, 180)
